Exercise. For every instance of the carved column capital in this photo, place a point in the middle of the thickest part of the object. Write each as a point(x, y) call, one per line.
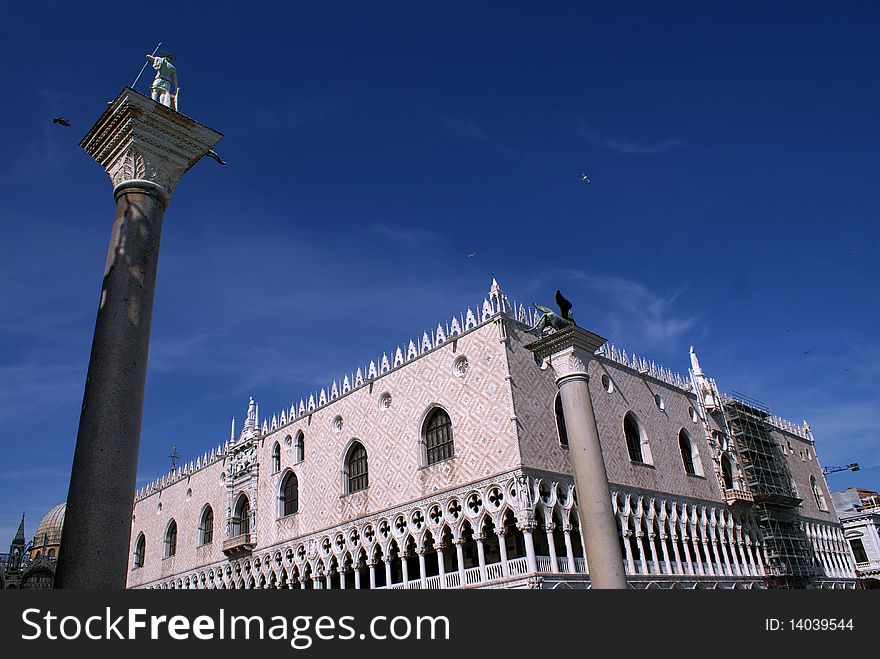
point(568, 352)
point(143, 144)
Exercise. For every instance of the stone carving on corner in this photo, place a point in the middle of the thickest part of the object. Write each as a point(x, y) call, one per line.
point(132, 166)
point(536, 583)
point(243, 460)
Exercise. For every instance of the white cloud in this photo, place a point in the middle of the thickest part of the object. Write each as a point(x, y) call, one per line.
point(631, 308)
point(627, 146)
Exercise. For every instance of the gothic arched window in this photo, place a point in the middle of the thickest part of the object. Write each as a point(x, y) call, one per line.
point(171, 539)
point(140, 550)
point(633, 438)
point(276, 458)
point(289, 497)
point(300, 447)
point(356, 476)
point(687, 452)
point(560, 421)
point(206, 526)
point(241, 517)
point(727, 472)
point(817, 493)
point(438, 437)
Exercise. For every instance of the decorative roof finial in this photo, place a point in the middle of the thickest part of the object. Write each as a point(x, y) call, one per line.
point(251, 413)
point(497, 298)
point(19, 536)
point(695, 362)
point(251, 426)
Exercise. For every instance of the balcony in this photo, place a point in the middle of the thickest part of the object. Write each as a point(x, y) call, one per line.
point(492, 573)
point(516, 569)
point(735, 496)
point(240, 544)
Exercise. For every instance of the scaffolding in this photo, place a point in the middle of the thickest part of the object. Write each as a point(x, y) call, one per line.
point(790, 559)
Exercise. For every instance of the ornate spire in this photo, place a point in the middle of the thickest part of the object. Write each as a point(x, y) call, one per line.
point(250, 428)
point(695, 363)
point(705, 387)
point(19, 535)
point(497, 298)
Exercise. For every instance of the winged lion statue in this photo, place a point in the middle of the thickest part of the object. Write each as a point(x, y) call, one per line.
point(551, 320)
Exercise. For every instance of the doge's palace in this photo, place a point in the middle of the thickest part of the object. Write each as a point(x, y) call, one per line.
point(444, 463)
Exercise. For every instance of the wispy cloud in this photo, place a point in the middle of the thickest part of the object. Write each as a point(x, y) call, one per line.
point(173, 353)
point(21, 474)
point(625, 310)
point(846, 429)
point(468, 129)
point(38, 387)
point(628, 146)
point(293, 116)
point(408, 236)
point(632, 305)
point(463, 127)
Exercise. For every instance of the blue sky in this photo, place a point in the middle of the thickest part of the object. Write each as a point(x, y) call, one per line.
point(371, 148)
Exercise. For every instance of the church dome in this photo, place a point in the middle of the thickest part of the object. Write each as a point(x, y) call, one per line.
point(50, 527)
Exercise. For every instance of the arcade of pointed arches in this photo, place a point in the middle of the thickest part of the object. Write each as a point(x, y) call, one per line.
point(499, 533)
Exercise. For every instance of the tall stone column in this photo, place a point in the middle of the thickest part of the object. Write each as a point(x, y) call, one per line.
point(569, 352)
point(145, 148)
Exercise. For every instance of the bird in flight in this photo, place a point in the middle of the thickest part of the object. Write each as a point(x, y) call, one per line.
point(807, 352)
point(471, 255)
point(585, 177)
point(61, 120)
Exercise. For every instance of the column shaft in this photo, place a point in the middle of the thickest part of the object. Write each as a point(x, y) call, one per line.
point(97, 528)
point(569, 550)
point(481, 559)
point(551, 544)
point(423, 569)
point(601, 538)
point(502, 549)
point(531, 560)
point(441, 567)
